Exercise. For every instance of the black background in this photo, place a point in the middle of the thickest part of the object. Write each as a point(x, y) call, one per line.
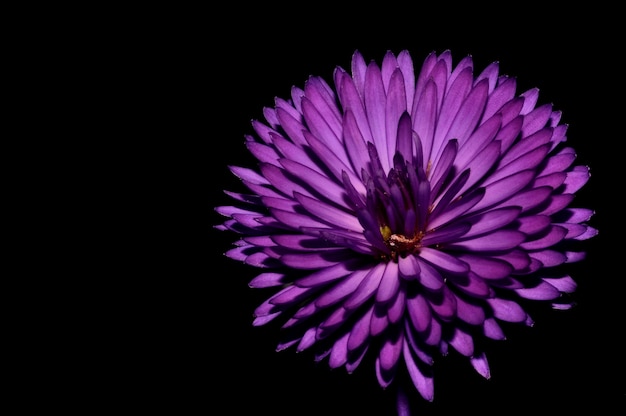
point(207, 74)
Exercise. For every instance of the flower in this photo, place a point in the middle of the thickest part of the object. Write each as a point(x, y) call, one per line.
point(405, 213)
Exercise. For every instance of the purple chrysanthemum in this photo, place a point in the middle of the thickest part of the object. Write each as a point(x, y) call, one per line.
point(405, 212)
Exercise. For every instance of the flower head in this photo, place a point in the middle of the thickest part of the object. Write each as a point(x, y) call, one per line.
point(402, 213)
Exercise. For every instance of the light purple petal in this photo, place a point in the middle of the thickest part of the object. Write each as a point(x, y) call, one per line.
point(326, 275)
point(496, 241)
point(310, 261)
point(443, 260)
point(428, 276)
point(462, 342)
point(423, 383)
point(342, 289)
point(375, 100)
point(486, 267)
point(329, 214)
point(549, 258)
point(481, 365)
point(389, 284)
point(555, 235)
point(536, 119)
point(468, 312)
point(492, 330)
point(419, 312)
point(503, 189)
point(339, 352)
point(542, 291)
point(367, 288)
point(507, 310)
point(503, 93)
point(564, 283)
point(269, 279)
point(424, 125)
point(360, 331)
point(470, 112)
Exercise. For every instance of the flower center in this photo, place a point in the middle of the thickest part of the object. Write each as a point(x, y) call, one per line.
point(399, 244)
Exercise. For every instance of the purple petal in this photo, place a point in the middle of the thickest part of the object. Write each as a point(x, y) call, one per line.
point(396, 106)
point(396, 310)
point(355, 144)
point(509, 132)
point(502, 94)
point(339, 352)
point(342, 289)
point(536, 119)
point(443, 260)
point(529, 160)
point(454, 210)
point(404, 143)
point(446, 234)
point(564, 283)
point(491, 220)
point(492, 330)
point(375, 99)
point(248, 175)
point(555, 235)
point(462, 342)
point(367, 287)
point(308, 339)
point(267, 280)
point(443, 303)
point(419, 312)
point(310, 261)
point(263, 152)
point(329, 214)
point(540, 139)
point(289, 296)
point(296, 221)
point(558, 163)
point(292, 126)
point(507, 310)
point(543, 291)
point(408, 267)
point(534, 224)
point(504, 188)
point(470, 284)
point(380, 320)
point(329, 189)
point(497, 241)
point(486, 267)
point(424, 117)
point(480, 364)
point(405, 63)
point(468, 312)
point(553, 180)
point(470, 112)
point(330, 159)
point(360, 330)
point(318, 125)
point(390, 353)
point(428, 276)
point(527, 200)
point(453, 102)
point(389, 284)
point(423, 383)
point(484, 134)
point(326, 275)
point(549, 258)
point(576, 179)
point(530, 100)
